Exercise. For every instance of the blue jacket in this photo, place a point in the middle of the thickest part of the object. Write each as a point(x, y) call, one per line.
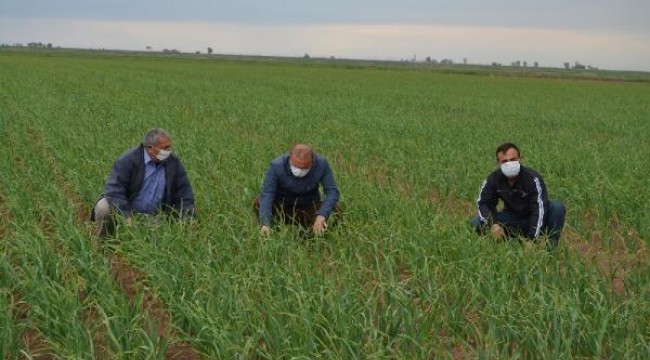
point(281, 186)
point(125, 181)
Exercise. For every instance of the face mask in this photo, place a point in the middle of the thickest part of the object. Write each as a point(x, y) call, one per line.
point(163, 154)
point(298, 172)
point(511, 168)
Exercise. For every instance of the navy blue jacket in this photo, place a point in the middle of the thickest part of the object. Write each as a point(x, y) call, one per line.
point(527, 198)
point(281, 186)
point(125, 181)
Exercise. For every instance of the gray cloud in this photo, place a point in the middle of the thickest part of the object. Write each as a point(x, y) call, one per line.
point(478, 44)
point(621, 15)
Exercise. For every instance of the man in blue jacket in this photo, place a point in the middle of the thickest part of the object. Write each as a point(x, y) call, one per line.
point(527, 210)
point(148, 179)
point(290, 191)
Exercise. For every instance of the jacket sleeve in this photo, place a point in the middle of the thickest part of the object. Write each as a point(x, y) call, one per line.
point(331, 192)
point(538, 206)
point(117, 184)
point(184, 193)
point(487, 202)
point(267, 196)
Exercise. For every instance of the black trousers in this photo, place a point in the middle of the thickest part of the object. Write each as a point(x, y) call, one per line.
point(295, 215)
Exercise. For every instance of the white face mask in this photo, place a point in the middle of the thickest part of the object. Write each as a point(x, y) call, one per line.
point(163, 154)
point(298, 172)
point(511, 168)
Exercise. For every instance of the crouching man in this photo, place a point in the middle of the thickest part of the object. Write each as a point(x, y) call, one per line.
point(148, 179)
point(290, 191)
point(527, 210)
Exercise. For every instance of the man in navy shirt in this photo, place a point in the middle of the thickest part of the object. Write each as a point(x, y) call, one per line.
point(290, 191)
point(148, 179)
point(527, 210)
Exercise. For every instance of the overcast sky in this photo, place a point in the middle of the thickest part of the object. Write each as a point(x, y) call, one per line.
point(610, 34)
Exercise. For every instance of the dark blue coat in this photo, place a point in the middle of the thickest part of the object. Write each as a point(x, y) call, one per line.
point(125, 181)
point(281, 186)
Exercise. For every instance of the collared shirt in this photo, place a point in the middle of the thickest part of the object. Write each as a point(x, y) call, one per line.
point(151, 194)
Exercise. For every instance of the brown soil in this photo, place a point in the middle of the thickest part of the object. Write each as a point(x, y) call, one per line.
point(6, 218)
point(626, 252)
point(132, 282)
point(36, 346)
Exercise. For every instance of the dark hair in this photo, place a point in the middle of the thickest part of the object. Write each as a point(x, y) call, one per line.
point(505, 147)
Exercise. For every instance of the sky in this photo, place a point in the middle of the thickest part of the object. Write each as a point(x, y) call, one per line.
point(608, 34)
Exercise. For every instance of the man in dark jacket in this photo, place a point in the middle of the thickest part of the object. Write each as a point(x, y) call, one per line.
point(148, 179)
point(291, 191)
point(527, 210)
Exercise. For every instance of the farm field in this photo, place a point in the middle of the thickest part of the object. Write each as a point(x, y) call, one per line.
point(402, 276)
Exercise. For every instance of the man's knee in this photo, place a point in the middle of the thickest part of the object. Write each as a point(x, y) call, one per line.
point(478, 225)
point(102, 210)
point(556, 208)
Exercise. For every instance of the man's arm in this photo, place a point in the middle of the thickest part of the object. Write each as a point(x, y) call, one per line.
point(184, 192)
point(538, 206)
point(116, 186)
point(487, 202)
point(331, 191)
point(267, 196)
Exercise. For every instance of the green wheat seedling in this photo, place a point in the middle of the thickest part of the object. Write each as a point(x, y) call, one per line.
point(400, 276)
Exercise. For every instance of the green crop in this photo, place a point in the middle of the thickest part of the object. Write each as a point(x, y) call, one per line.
point(401, 276)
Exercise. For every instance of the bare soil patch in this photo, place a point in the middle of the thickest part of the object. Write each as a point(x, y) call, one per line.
point(132, 282)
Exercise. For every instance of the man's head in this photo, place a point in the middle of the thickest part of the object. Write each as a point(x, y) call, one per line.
point(301, 158)
point(158, 144)
point(508, 159)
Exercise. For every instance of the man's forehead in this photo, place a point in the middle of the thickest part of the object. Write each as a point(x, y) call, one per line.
point(164, 139)
point(511, 151)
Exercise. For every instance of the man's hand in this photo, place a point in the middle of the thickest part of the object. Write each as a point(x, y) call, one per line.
point(320, 225)
point(265, 230)
point(498, 232)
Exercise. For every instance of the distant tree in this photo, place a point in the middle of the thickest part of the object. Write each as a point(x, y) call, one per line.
point(306, 56)
point(428, 59)
point(536, 64)
point(197, 52)
point(209, 50)
point(49, 45)
point(567, 65)
point(525, 64)
point(332, 57)
point(494, 63)
point(148, 47)
point(578, 66)
point(464, 61)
